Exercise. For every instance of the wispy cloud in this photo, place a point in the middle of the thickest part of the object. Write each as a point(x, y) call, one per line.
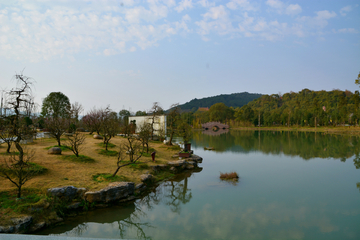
point(345, 10)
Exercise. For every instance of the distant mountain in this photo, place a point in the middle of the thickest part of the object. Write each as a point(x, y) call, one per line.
point(230, 100)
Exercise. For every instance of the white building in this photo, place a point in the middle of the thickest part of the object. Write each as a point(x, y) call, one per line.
point(159, 122)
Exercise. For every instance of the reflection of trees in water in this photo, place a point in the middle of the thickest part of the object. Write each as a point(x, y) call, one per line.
point(132, 222)
point(174, 193)
point(177, 193)
point(215, 133)
point(78, 230)
point(303, 144)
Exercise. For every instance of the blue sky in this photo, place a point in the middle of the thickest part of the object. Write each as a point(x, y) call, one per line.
point(131, 53)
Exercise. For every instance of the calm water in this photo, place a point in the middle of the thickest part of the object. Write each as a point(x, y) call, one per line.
point(292, 186)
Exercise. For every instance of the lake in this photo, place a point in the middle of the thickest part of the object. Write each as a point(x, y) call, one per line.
point(293, 185)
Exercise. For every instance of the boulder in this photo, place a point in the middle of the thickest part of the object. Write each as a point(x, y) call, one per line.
point(67, 193)
point(114, 192)
point(177, 163)
point(37, 226)
point(98, 136)
point(193, 163)
point(55, 151)
point(7, 229)
point(189, 167)
point(159, 167)
point(146, 178)
point(195, 158)
point(74, 206)
point(22, 224)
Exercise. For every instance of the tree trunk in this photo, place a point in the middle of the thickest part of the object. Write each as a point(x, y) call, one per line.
point(19, 192)
point(8, 147)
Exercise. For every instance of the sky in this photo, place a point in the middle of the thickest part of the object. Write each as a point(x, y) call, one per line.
point(129, 54)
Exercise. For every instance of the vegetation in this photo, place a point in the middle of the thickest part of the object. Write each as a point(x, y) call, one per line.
point(302, 109)
point(109, 153)
point(75, 142)
point(80, 158)
point(229, 176)
point(107, 177)
point(16, 167)
point(132, 147)
point(232, 100)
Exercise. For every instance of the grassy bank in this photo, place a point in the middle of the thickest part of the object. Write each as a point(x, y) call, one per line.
point(92, 170)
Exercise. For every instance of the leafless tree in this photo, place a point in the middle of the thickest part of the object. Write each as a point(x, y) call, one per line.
point(18, 172)
point(75, 111)
point(92, 120)
point(155, 112)
point(16, 168)
point(75, 141)
point(172, 120)
point(6, 135)
point(109, 125)
point(132, 147)
point(144, 135)
point(56, 126)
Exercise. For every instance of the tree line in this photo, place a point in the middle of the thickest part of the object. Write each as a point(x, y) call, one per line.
point(305, 108)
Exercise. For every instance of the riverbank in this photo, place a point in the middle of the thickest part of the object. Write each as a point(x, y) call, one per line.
point(86, 180)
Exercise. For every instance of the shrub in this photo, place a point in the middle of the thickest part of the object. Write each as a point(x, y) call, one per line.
point(229, 176)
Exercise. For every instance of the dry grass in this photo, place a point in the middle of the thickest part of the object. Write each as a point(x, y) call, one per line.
point(62, 172)
point(229, 176)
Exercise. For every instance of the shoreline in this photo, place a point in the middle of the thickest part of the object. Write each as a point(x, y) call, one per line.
point(352, 130)
point(79, 186)
point(76, 201)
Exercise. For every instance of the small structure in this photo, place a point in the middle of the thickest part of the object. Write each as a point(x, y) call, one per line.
point(214, 126)
point(159, 122)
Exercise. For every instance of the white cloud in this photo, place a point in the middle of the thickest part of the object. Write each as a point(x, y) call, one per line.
point(242, 4)
point(345, 10)
point(206, 3)
point(346, 30)
point(319, 21)
point(293, 9)
point(184, 4)
point(275, 4)
point(215, 20)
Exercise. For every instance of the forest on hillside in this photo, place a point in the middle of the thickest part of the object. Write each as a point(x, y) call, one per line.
point(230, 100)
point(305, 108)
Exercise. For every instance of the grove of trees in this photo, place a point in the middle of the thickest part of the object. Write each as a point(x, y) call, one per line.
point(305, 108)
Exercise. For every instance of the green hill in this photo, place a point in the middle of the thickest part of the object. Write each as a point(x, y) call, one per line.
point(230, 100)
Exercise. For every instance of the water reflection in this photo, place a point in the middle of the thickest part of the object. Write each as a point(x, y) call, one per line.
point(173, 193)
point(121, 221)
point(303, 144)
point(126, 221)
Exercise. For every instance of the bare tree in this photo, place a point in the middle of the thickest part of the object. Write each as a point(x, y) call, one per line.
point(172, 120)
point(144, 135)
point(75, 141)
point(6, 135)
point(56, 126)
point(18, 172)
point(109, 125)
point(92, 120)
point(75, 111)
point(132, 147)
point(155, 111)
point(16, 168)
